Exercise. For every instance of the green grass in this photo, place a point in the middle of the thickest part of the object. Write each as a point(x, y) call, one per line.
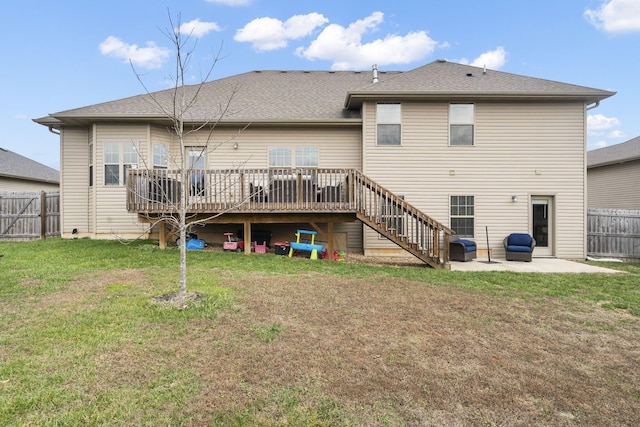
point(53, 364)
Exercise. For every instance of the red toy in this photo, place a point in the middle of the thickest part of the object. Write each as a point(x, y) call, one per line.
point(233, 243)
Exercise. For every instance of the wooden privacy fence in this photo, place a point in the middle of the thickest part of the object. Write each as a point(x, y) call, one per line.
point(29, 216)
point(613, 233)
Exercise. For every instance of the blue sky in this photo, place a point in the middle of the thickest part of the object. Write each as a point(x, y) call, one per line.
point(64, 54)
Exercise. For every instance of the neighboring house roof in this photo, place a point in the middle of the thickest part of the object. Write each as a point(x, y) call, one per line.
point(325, 96)
point(13, 165)
point(619, 153)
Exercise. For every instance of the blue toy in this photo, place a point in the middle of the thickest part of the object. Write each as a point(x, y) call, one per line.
point(307, 247)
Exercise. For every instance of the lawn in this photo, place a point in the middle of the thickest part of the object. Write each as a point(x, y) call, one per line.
point(293, 342)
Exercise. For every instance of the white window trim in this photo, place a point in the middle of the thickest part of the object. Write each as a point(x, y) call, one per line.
point(380, 122)
point(122, 165)
point(472, 124)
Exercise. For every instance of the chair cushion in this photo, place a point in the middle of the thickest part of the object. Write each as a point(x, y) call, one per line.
point(520, 239)
point(469, 245)
point(516, 248)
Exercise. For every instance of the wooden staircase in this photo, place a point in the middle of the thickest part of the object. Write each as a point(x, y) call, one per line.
point(400, 222)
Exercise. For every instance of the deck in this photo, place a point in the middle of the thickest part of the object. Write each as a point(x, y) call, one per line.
point(286, 195)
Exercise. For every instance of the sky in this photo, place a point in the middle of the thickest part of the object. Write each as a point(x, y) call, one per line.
point(64, 54)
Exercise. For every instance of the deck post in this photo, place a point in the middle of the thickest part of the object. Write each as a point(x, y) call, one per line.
point(247, 237)
point(162, 235)
point(330, 242)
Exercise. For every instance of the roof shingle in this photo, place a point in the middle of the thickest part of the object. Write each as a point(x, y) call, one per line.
point(16, 166)
point(321, 96)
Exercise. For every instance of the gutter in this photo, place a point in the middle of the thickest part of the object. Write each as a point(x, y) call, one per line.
point(595, 105)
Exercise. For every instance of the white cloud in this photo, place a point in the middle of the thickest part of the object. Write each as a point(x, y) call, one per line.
point(345, 48)
point(617, 134)
point(151, 56)
point(232, 3)
point(267, 34)
point(197, 28)
point(597, 144)
point(598, 123)
point(616, 16)
point(493, 59)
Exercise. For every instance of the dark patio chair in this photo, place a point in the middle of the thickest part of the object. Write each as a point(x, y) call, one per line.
point(462, 250)
point(519, 247)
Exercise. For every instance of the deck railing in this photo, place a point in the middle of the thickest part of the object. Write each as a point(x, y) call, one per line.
point(401, 222)
point(241, 190)
point(287, 190)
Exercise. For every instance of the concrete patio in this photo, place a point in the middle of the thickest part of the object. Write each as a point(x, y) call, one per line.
point(537, 265)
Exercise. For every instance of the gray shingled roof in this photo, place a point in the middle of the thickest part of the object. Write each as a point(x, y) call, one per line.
point(321, 96)
point(447, 80)
point(619, 153)
point(14, 165)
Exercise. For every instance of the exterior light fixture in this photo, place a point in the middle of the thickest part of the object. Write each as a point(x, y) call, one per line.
point(235, 145)
point(514, 198)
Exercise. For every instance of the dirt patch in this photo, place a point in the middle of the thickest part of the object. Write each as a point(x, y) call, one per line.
point(423, 355)
point(178, 300)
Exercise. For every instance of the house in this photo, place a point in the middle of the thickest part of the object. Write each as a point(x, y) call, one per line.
point(419, 157)
point(21, 174)
point(612, 176)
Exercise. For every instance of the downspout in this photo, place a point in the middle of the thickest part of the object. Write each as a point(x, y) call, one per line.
point(53, 131)
point(585, 207)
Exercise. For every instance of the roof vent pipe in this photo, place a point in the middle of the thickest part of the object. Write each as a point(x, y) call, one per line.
point(375, 73)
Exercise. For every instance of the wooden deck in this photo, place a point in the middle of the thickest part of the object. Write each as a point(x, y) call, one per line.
point(283, 195)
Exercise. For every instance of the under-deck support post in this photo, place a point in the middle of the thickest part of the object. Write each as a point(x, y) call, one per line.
point(330, 242)
point(247, 237)
point(162, 234)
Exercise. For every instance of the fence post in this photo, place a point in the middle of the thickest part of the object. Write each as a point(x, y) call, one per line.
point(43, 215)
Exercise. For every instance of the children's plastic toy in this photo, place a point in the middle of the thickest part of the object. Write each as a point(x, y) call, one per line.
point(233, 243)
point(307, 247)
point(195, 244)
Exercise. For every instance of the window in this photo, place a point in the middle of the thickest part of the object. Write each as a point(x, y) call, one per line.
point(282, 157)
point(461, 118)
point(111, 163)
point(129, 159)
point(307, 157)
point(196, 159)
point(119, 157)
point(388, 118)
point(160, 156)
point(90, 165)
point(462, 211)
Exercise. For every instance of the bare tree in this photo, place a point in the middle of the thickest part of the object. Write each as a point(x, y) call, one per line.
point(177, 108)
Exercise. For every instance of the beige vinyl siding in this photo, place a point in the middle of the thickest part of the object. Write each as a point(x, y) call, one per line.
point(74, 181)
point(112, 219)
point(338, 147)
point(21, 185)
point(519, 149)
point(614, 186)
point(92, 190)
